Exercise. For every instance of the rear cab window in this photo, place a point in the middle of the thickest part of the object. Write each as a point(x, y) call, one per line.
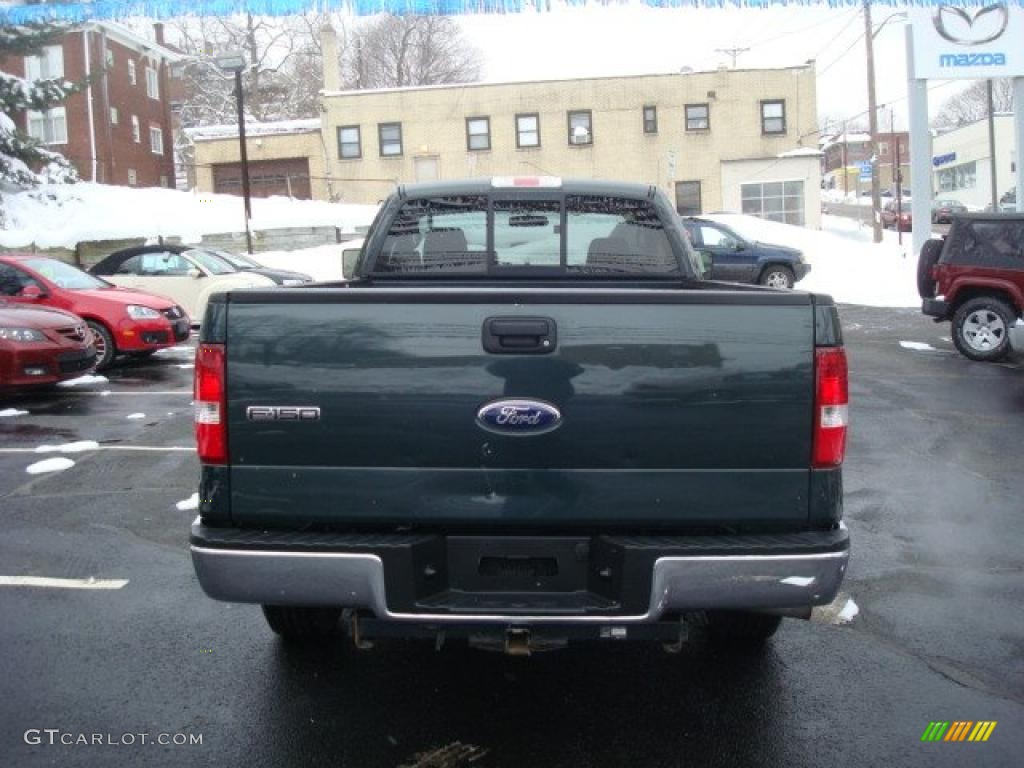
point(509, 232)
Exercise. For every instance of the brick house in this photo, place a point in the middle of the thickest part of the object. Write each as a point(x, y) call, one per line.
point(843, 152)
point(118, 130)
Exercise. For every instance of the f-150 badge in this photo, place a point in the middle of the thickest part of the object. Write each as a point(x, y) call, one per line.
point(282, 413)
point(519, 417)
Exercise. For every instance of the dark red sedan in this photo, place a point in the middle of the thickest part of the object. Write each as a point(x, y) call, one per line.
point(42, 346)
point(122, 320)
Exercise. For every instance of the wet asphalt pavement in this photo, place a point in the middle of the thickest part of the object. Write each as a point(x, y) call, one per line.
point(935, 505)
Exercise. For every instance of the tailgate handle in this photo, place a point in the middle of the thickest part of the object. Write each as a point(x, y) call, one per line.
point(519, 335)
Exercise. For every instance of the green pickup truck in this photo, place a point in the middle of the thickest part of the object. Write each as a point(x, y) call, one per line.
point(528, 419)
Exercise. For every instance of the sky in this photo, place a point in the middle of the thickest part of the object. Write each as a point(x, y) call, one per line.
point(595, 41)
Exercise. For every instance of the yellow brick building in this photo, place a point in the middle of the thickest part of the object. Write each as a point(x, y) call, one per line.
point(736, 139)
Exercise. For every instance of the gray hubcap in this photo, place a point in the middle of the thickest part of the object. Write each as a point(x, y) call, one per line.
point(984, 330)
point(777, 280)
point(100, 343)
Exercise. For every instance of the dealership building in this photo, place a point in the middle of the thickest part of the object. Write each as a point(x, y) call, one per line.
point(726, 139)
point(961, 162)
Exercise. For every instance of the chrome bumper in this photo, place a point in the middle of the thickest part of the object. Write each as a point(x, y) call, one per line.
point(721, 582)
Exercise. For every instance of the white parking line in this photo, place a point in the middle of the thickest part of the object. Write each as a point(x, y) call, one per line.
point(151, 448)
point(44, 581)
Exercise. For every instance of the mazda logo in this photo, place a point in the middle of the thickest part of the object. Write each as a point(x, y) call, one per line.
point(961, 26)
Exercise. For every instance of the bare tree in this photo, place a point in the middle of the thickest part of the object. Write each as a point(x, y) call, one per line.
point(971, 104)
point(281, 80)
point(396, 51)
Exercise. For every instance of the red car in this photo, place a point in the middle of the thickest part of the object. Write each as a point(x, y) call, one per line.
point(42, 346)
point(122, 320)
point(897, 217)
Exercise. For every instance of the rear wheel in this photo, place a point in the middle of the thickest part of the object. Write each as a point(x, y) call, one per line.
point(104, 343)
point(929, 257)
point(741, 629)
point(981, 329)
point(301, 624)
point(777, 276)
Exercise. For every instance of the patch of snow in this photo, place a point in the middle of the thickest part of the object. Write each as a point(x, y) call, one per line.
point(798, 581)
point(322, 262)
point(7, 413)
point(62, 215)
point(254, 128)
point(802, 152)
point(918, 346)
point(845, 263)
point(850, 610)
point(49, 465)
point(192, 502)
point(187, 366)
point(135, 416)
point(82, 381)
point(76, 447)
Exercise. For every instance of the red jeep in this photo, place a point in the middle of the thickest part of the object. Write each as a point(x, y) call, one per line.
point(974, 276)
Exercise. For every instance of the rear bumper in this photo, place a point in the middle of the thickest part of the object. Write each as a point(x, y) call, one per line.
point(935, 308)
point(624, 579)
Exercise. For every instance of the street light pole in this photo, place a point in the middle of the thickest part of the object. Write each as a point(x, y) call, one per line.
point(876, 199)
point(244, 156)
point(235, 63)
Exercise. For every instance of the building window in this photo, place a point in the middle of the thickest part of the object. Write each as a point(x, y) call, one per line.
point(113, 115)
point(133, 177)
point(49, 127)
point(136, 134)
point(773, 116)
point(698, 117)
point(48, 65)
point(156, 141)
point(775, 200)
point(580, 128)
point(528, 130)
point(963, 176)
point(163, 181)
point(390, 138)
point(131, 72)
point(152, 84)
point(478, 133)
point(650, 119)
point(883, 148)
point(350, 145)
point(108, 57)
point(688, 200)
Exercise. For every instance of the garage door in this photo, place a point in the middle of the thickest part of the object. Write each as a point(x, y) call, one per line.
point(287, 178)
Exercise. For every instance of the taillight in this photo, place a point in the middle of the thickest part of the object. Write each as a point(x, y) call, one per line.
point(831, 400)
point(211, 405)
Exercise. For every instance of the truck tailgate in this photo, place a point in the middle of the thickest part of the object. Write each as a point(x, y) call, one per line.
point(677, 407)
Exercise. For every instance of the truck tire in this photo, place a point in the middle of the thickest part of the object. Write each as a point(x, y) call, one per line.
point(741, 629)
point(301, 624)
point(981, 329)
point(778, 276)
point(930, 252)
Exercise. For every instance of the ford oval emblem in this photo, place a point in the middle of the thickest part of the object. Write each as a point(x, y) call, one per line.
point(519, 417)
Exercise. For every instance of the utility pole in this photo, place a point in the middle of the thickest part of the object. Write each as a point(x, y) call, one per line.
point(734, 52)
point(846, 160)
point(897, 173)
point(876, 199)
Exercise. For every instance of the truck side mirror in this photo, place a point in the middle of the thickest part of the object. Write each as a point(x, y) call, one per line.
point(194, 273)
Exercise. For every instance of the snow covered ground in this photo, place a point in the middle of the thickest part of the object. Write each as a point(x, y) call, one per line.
point(60, 216)
point(844, 262)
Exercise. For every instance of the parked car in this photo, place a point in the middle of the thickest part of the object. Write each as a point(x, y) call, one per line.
point(739, 260)
point(974, 278)
point(123, 321)
point(531, 421)
point(943, 210)
point(1007, 203)
point(40, 346)
point(245, 263)
point(189, 276)
point(896, 214)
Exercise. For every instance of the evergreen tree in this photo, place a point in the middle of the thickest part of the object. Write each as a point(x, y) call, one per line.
point(24, 162)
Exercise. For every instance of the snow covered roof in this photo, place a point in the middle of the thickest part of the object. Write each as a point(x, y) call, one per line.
point(802, 152)
point(130, 38)
point(253, 128)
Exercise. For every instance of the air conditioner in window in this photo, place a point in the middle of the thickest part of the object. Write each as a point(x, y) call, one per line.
point(580, 135)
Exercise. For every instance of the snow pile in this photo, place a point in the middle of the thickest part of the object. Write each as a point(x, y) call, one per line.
point(60, 216)
point(320, 263)
point(49, 465)
point(254, 128)
point(192, 502)
point(83, 381)
point(76, 447)
point(7, 413)
point(135, 416)
point(844, 262)
point(918, 346)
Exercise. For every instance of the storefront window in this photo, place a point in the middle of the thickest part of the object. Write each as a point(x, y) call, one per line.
point(956, 177)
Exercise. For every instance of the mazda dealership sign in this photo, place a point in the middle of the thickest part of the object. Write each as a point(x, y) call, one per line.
point(975, 43)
